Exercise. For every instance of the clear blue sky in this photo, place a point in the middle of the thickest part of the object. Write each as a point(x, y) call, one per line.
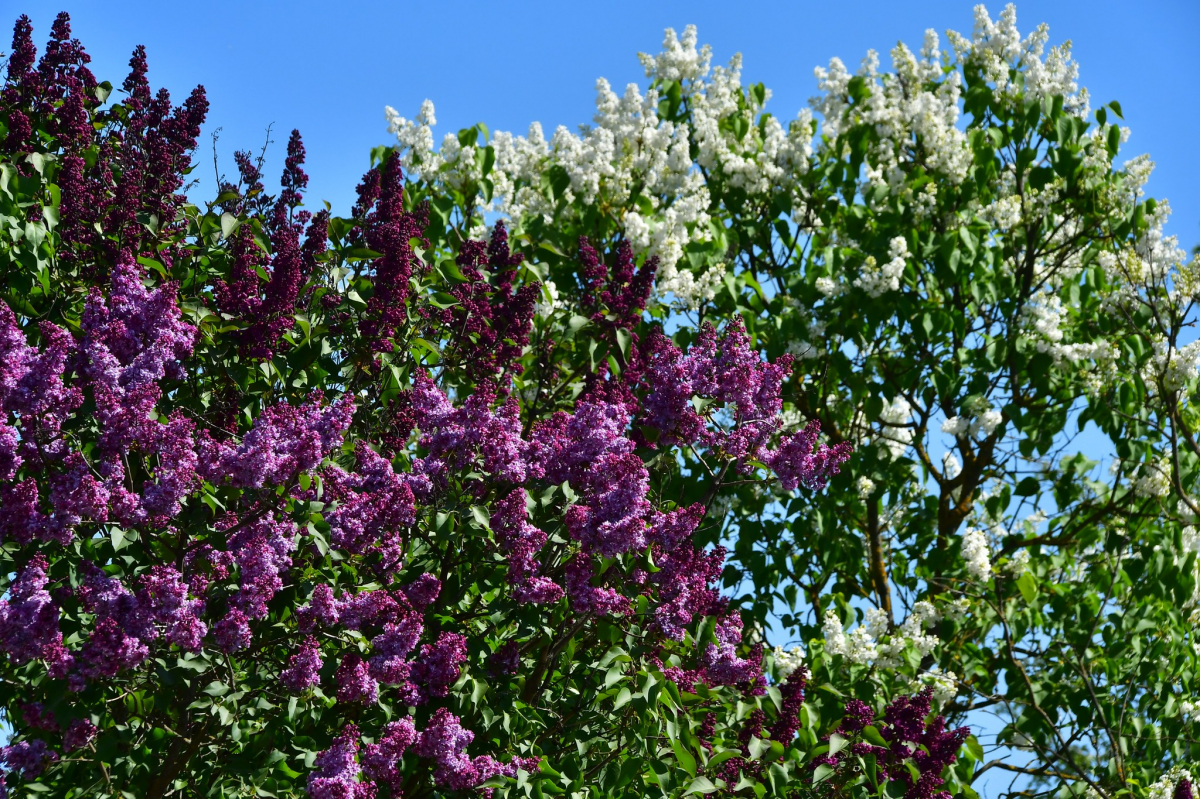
point(329, 68)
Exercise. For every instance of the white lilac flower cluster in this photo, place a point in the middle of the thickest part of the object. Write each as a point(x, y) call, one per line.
point(549, 301)
point(897, 431)
point(998, 47)
point(633, 160)
point(977, 554)
point(870, 643)
point(902, 111)
point(1189, 710)
point(788, 660)
point(943, 683)
point(1172, 368)
point(979, 423)
point(1164, 788)
point(1043, 316)
point(1153, 479)
point(1018, 563)
point(640, 166)
point(415, 136)
point(878, 280)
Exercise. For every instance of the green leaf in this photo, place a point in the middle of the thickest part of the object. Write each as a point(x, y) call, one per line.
point(974, 747)
point(872, 735)
point(623, 340)
point(7, 172)
point(700, 785)
point(118, 537)
point(1027, 487)
point(684, 757)
point(1028, 587)
point(229, 223)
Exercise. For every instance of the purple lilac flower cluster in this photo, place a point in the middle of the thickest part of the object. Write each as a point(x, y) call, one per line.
point(725, 370)
point(395, 621)
point(621, 290)
point(112, 176)
point(443, 741)
point(919, 747)
point(492, 318)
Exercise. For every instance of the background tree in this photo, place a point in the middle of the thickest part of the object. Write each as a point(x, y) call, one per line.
point(978, 300)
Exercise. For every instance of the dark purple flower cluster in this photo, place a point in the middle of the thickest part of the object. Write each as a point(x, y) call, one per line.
point(27, 758)
point(491, 320)
point(388, 229)
point(79, 734)
point(338, 770)
point(38, 717)
point(29, 621)
point(269, 310)
point(621, 290)
point(126, 624)
point(112, 176)
point(727, 373)
point(445, 742)
point(472, 434)
point(375, 504)
point(792, 690)
point(262, 549)
point(919, 748)
point(521, 542)
point(381, 761)
point(304, 667)
point(396, 622)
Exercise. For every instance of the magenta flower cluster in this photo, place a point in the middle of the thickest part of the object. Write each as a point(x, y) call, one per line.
point(919, 747)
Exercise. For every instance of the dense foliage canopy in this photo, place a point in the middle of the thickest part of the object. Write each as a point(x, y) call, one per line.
point(508, 480)
point(357, 506)
point(984, 303)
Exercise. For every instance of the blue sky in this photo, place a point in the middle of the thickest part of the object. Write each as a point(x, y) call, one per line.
point(329, 68)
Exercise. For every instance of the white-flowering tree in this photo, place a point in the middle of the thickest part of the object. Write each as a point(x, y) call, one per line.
point(979, 298)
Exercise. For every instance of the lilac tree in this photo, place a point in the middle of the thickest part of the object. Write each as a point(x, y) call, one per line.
point(298, 503)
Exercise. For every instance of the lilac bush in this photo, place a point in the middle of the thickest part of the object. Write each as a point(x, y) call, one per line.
point(299, 504)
